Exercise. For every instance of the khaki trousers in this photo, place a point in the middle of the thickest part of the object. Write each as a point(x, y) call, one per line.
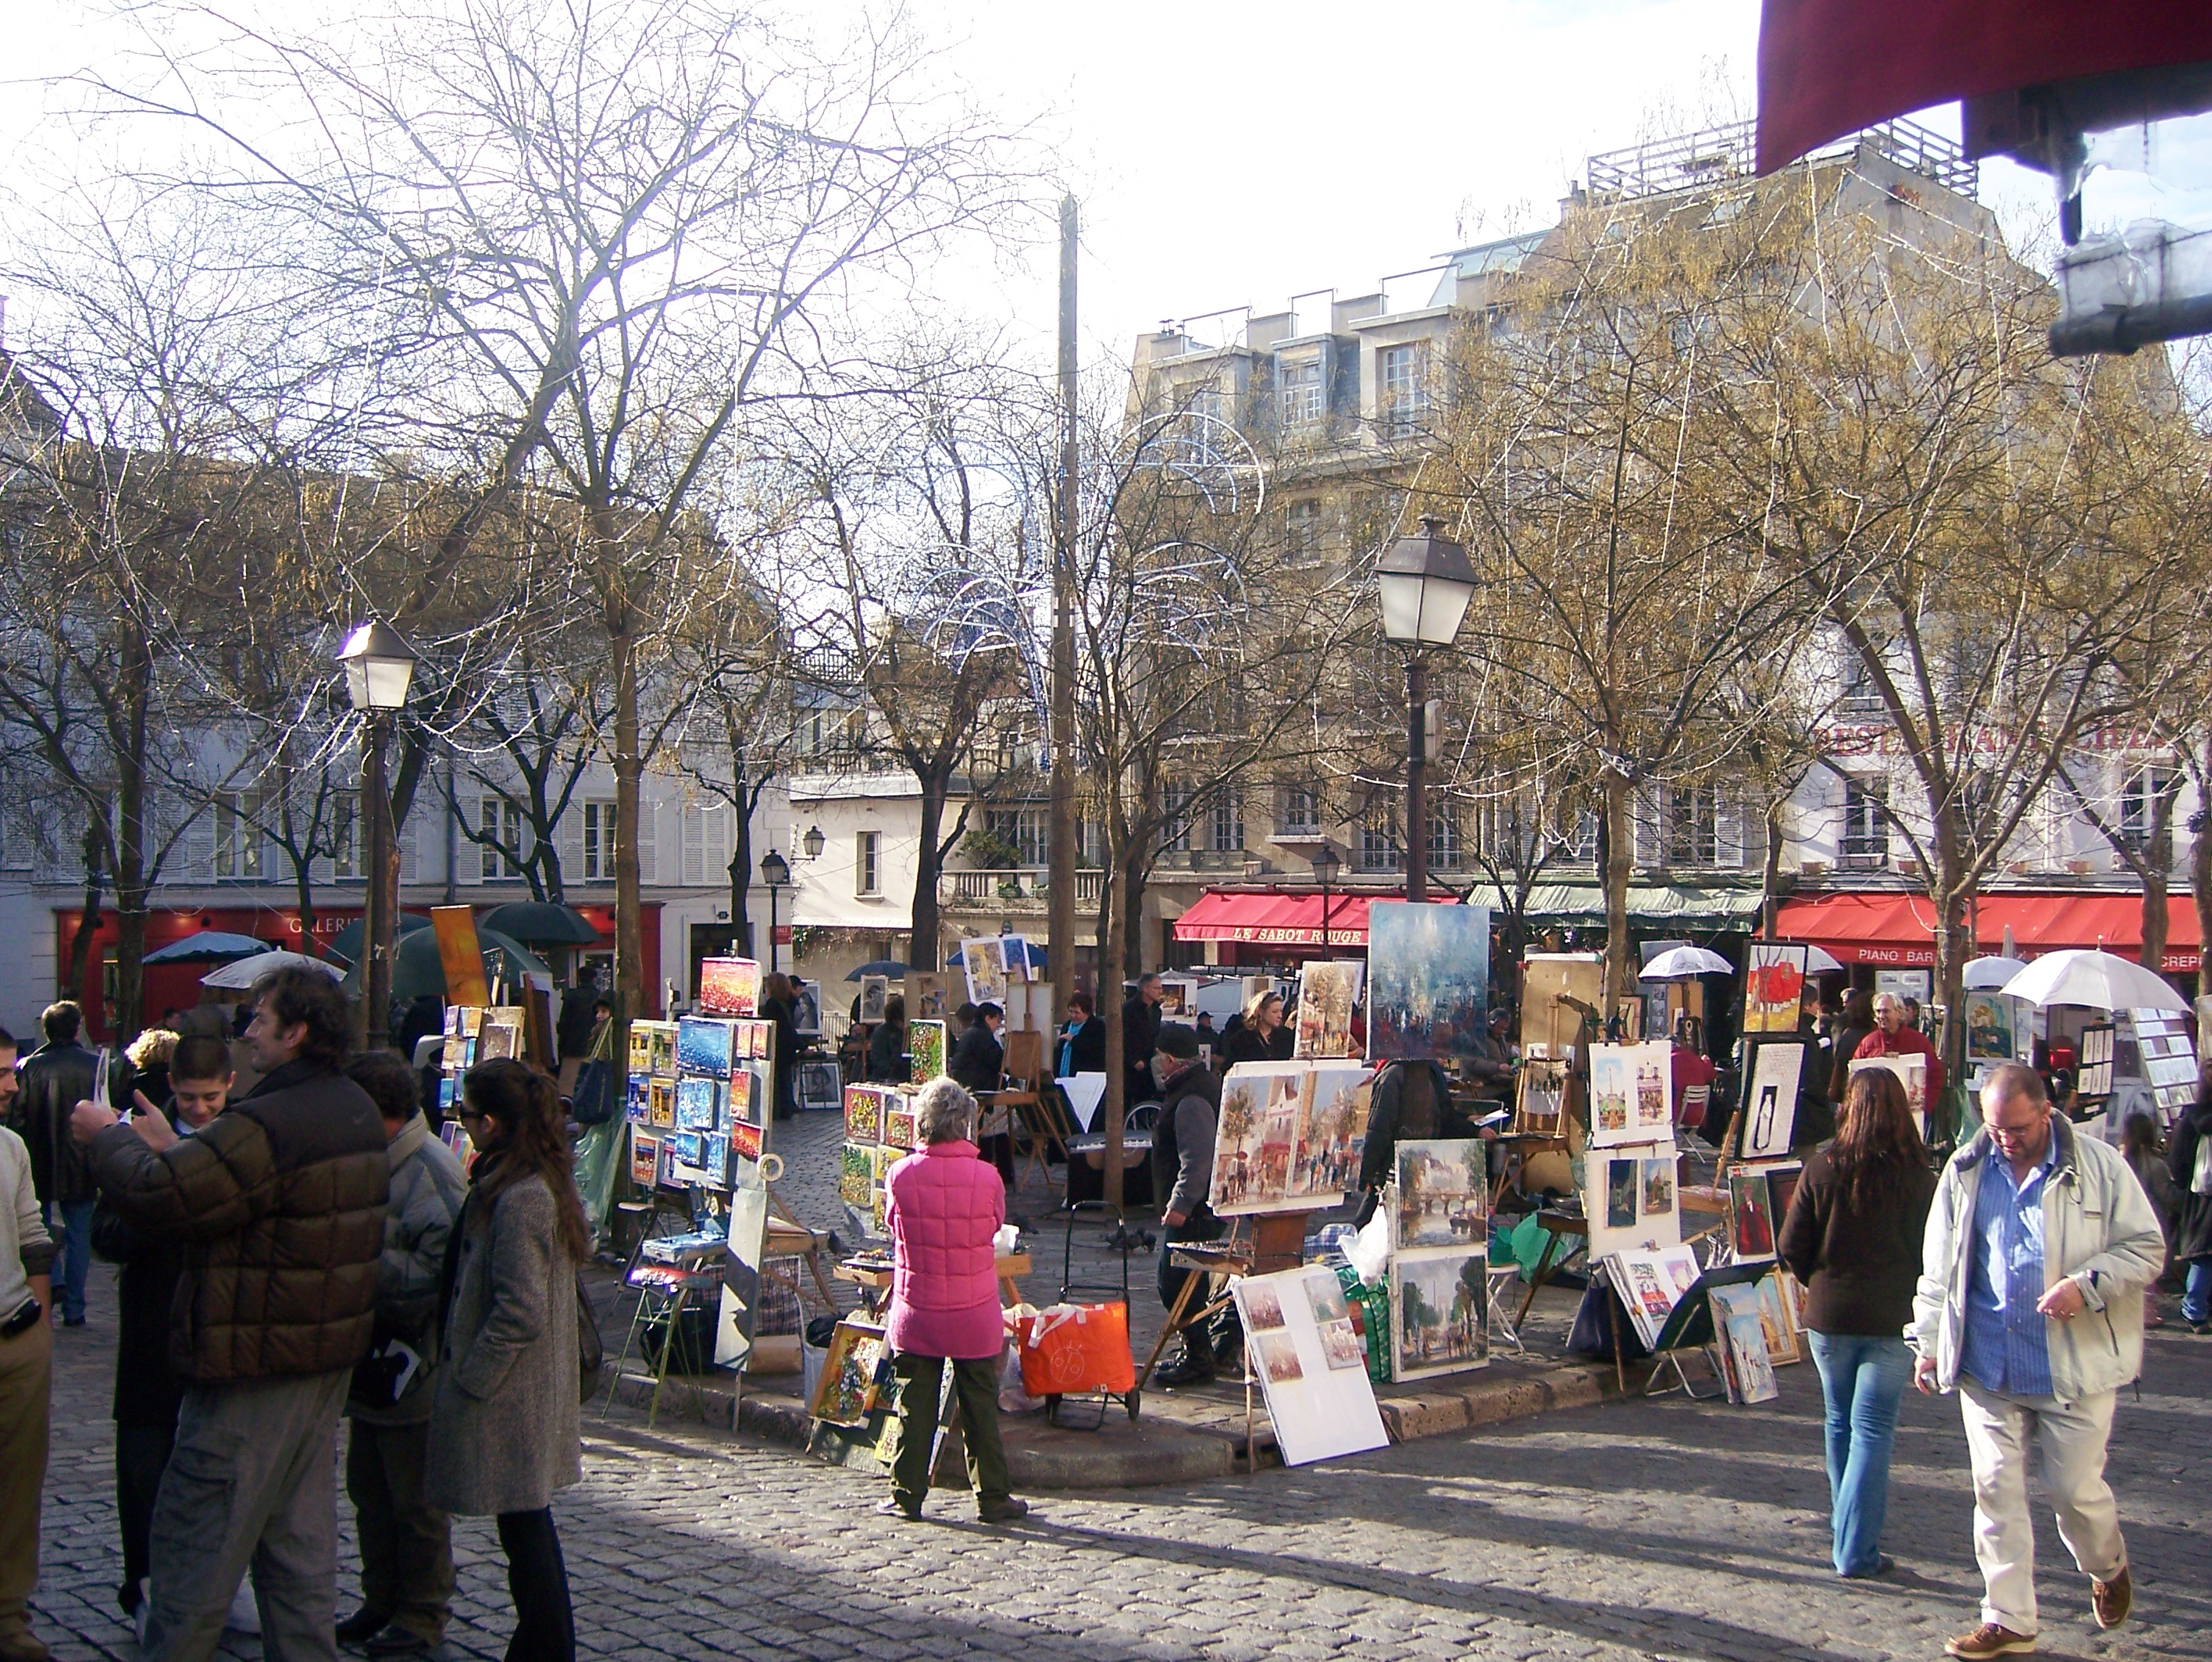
point(2071, 1438)
point(26, 1376)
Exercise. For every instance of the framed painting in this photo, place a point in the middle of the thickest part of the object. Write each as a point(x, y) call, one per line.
point(1774, 986)
point(1439, 1313)
point(729, 987)
point(925, 1043)
point(1428, 980)
point(1769, 1117)
point(853, 1372)
point(1441, 1194)
point(1327, 991)
point(984, 963)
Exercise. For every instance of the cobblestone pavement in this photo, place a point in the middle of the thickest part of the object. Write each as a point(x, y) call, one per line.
point(1648, 1529)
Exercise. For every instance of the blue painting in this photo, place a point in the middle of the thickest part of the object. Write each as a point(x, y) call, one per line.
point(1428, 980)
point(698, 1105)
point(705, 1046)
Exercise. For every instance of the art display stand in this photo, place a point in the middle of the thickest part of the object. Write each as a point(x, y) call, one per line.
point(664, 1292)
point(1225, 1257)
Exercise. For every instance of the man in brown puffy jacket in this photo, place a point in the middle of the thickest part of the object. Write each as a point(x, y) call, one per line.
point(279, 1207)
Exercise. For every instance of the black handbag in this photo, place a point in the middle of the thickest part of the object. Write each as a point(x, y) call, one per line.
point(598, 1097)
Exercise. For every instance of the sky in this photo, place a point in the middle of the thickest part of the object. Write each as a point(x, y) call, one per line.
point(1230, 153)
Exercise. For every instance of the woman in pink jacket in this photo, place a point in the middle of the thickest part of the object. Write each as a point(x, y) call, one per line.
point(944, 1208)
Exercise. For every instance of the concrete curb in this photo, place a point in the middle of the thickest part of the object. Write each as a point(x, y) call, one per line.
point(1125, 1455)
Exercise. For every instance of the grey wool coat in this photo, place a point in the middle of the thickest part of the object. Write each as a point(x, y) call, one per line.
point(503, 1427)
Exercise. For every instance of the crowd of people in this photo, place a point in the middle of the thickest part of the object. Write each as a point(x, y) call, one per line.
point(291, 1253)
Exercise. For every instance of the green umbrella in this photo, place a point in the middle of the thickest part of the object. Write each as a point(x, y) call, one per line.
point(416, 968)
point(346, 944)
point(540, 923)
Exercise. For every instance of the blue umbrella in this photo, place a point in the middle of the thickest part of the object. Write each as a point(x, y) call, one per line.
point(209, 946)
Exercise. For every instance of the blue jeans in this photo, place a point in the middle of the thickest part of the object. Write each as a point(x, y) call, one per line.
point(2196, 1292)
point(75, 1240)
point(1861, 1380)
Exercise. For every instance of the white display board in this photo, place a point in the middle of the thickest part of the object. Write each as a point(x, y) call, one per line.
point(1310, 1363)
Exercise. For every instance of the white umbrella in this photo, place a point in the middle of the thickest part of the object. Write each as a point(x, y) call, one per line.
point(238, 977)
point(2097, 980)
point(1984, 975)
point(1681, 962)
point(1819, 961)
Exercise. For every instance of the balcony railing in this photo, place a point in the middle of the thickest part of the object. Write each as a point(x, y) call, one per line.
point(1026, 882)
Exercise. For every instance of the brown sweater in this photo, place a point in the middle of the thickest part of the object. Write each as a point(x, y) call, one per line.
point(1859, 1269)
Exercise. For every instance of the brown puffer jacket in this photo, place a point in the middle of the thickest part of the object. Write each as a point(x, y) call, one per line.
point(280, 1205)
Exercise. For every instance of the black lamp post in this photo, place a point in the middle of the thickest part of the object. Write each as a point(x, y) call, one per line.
point(1424, 583)
point(1325, 864)
point(379, 667)
point(775, 872)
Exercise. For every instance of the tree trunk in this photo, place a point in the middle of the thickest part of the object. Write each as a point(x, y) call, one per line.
point(2200, 877)
point(631, 971)
point(1770, 881)
point(1619, 861)
point(741, 875)
point(88, 919)
point(1114, 1111)
point(135, 673)
point(925, 951)
point(1953, 897)
point(2156, 873)
point(1133, 916)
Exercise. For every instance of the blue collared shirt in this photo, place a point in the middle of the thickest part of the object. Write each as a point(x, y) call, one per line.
point(2007, 1346)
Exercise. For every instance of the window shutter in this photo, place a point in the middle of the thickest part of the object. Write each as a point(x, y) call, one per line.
point(721, 825)
point(695, 846)
point(648, 840)
point(198, 847)
point(1732, 820)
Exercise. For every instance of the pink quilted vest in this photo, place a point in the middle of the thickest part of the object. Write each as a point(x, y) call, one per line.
point(946, 1205)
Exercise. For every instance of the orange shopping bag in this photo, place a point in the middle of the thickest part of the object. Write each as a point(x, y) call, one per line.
point(1074, 1348)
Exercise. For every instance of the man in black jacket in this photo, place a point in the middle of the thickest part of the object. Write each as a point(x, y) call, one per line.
point(55, 1077)
point(1141, 1028)
point(1182, 1171)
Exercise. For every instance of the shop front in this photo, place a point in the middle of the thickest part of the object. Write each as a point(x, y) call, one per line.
point(1870, 932)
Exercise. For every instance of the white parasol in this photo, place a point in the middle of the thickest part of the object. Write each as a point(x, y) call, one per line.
point(1679, 963)
point(1990, 973)
point(2097, 980)
point(239, 976)
point(1819, 961)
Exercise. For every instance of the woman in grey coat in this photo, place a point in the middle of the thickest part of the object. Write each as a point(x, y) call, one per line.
point(503, 1431)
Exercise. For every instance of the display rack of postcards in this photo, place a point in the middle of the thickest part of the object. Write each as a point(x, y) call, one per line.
point(474, 1033)
point(700, 1100)
point(2165, 1059)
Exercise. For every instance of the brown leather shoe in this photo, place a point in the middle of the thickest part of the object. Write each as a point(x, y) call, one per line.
point(1003, 1512)
point(2111, 1600)
point(1990, 1640)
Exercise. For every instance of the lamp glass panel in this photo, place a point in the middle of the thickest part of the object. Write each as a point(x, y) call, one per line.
point(356, 674)
point(1443, 604)
point(388, 680)
point(1401, 595)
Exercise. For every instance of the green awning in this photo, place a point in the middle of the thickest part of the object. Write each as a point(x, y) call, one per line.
point(1650, 905)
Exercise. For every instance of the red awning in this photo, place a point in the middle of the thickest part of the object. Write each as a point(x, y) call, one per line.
point(1900, 928)
point(1830, 67)
point(1267, 919)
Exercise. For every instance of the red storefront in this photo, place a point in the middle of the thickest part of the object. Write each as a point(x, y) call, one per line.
point(177, 987)
point(1898, 931)
point(1280, 925)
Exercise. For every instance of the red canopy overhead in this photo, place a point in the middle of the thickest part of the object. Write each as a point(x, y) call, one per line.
point(1900, 928)
point(1831, 67)
point(1270, 919)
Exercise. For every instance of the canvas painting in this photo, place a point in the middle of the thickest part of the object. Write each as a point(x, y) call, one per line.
point(1442, 1194)
point(1619, 1184)
point(704, 1044)
point(1014, 954)
point(1327, 991)
point(746, 1141)
point(698, 1107)
point(1769, 1119)
point(853, 1373)
point(1438, 1314)
point(1298, 1330)
point(1651, 1284)
point(925, 996)
point(1988, 1027)
point(635, 1106)
point(1330, 1133)
point(1540, 1096)
point(644, 1159)
point(1749, 1370)
point(1777, 1318)
point(856, 1172)
point(498, 1040)
point(925, 1043)
point(756, 1040)
point(1774, 986)
point(1176, 993)
point(715, 1159)
point(750, 1095)
point(899, 1129)
point(1428, 980)
point(1781, 1190)
point(687, 1153)
point(985, 963)
point(660, 1103)
point(864, 1121)
point(1613, 1106)
point(1651, 1109)
point(743, 1250)
point(729, 987)
point(1751, 1213)
point(1261, 1104)
point(875, 989)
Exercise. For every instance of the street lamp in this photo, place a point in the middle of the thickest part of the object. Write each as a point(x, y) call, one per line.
point(380, 668)
point(1325, 862)
point(775, 872)
point(1425, 584)
point(812, 842)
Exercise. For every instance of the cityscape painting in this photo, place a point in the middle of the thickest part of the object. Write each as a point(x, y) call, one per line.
point(1428, 980)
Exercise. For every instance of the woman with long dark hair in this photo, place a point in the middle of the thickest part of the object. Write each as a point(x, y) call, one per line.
point(1850, 1033)
point(780, 1004)
point(503, 1430)
point(1853, 1237)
